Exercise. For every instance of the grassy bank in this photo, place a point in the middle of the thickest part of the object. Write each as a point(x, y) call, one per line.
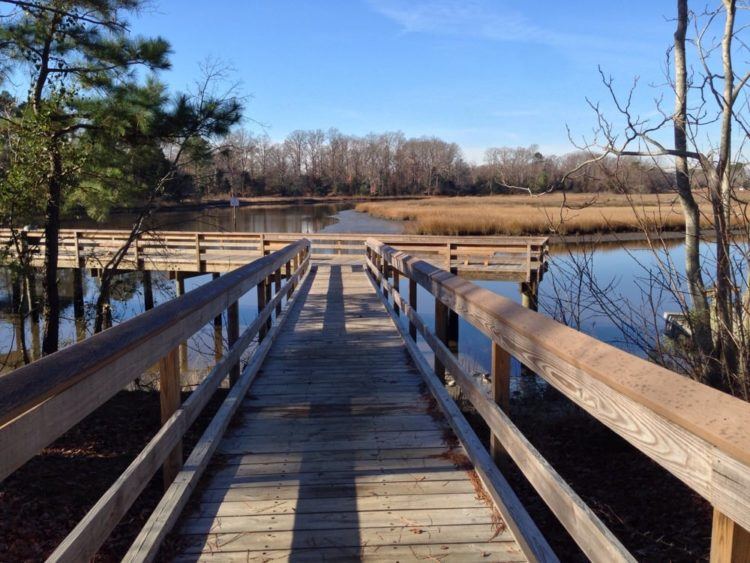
point(525, 215)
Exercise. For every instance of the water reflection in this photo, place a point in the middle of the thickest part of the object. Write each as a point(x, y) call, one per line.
point(623, 265)
point(19, 331)
point(251, 219)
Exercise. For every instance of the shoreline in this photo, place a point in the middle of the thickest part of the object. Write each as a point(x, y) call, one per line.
point(265, 201)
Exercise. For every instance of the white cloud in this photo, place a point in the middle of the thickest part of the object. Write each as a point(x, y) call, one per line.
point(478, 18)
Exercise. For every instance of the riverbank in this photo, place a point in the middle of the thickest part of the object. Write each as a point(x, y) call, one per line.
point(556, 213)
point(267, 201)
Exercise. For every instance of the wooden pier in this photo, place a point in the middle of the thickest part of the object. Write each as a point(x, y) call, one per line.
point(344, 443)
point(519, 259)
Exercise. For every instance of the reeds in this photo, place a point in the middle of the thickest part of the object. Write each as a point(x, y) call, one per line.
point(526, 215)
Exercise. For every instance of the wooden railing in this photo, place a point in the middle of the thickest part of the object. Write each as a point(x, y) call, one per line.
point(43, 400)
point(697, 433)
point(518, 258)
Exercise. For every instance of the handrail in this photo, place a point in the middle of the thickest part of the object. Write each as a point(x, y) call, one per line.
point(41, 401)
point(697, 433)
point(86, 538)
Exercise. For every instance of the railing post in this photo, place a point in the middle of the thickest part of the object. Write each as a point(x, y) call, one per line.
point(218, 337)
point(233, 334)
point(180, 290)
point(500, 380)
point(396, 290)
point(441, 332)
point(169, 399)
point(453, 321)
point(730, 542)
point(295, 262)
point(384, 271)
point(413, 305)
point(277, 289)
point(269, 296)
point(198, 267)
point(529, 291)
point(261, 290)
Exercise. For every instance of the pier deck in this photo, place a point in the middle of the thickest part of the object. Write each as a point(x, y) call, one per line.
point(338, 451)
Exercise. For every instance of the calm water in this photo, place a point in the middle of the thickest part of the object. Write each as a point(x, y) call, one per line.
point(626, 269)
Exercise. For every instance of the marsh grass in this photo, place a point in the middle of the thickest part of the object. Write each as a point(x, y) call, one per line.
point(526, 215)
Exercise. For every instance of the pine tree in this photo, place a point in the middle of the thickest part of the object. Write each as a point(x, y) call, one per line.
point(83, 84)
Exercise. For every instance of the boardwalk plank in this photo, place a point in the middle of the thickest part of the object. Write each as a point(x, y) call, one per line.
point(338, 452)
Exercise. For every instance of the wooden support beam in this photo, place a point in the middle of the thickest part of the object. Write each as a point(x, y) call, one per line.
point(180, 291)
point(529, 295)
point(233, 333)
point(441, 331)
point(396, 289)
point(413, 305)
point(261, 291)
point(730, 542)
point(277, 289)
point(269, 295)
point(218, 332)
point(500, 381)
point(169, 398)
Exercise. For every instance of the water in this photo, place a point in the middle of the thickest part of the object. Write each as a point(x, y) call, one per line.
point(624, 269)
point(338, 218)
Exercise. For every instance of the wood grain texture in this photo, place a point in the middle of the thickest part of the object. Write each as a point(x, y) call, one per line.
point(342, 447)
point(88, 535)
point(41, 401)
point(697, 433)
point(591, 535)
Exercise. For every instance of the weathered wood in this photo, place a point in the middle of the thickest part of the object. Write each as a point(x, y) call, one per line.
point(277, 288)
point(169, 401)
point(315, 431)
point(500, 381)
point(162, 520)
point(695, 432)
point(311, 539)
point(441, 331)
point(730, 542)
point(233, 333)
point(413, 305)
point(41, 401)
point(532, 542)
point(179, 292)
point(596, 541)
point(498, 552)
point(92, 531)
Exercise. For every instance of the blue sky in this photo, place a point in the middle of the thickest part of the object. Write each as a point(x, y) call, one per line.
point(480, 73)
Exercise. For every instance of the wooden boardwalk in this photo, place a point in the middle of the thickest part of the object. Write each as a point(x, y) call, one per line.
point(328, 446)
point(338, 452)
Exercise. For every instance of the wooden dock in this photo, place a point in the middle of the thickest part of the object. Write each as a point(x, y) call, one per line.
point(338, 439)
point(521, 259)
point(338, 452)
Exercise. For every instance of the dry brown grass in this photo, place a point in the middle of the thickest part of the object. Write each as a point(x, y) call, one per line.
point(526, 215)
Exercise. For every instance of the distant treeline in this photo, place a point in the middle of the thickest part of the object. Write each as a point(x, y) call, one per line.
point(331, 163)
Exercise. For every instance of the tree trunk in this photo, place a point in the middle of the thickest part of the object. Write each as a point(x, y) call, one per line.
point(50, 340)
point(720, 195)
point(691, 211)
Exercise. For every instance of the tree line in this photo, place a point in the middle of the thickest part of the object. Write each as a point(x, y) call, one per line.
point(322, 163)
